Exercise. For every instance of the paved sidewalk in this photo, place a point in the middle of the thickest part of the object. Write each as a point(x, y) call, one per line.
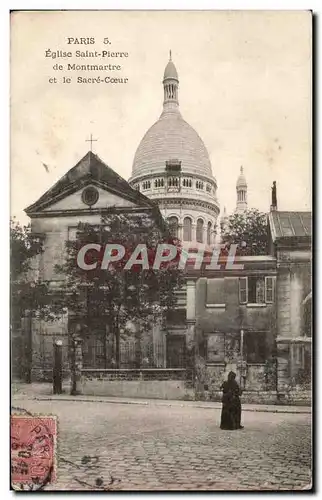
point(43, 392)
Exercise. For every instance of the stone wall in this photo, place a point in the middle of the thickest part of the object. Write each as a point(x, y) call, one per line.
point(145, 383)
point(255, 378)
point(293, 285)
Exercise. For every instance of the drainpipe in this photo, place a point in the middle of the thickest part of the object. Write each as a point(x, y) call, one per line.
point(242, 364)
point(242, 343)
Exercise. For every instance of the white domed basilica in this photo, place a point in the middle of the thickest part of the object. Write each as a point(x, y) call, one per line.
point(172, 167)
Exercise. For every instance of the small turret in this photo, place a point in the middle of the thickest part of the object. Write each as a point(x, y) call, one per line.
point(241, 189)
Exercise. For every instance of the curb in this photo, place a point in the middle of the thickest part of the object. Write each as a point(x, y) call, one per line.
point(169, 404)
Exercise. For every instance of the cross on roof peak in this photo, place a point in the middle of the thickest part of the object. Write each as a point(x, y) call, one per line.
point(91, 140)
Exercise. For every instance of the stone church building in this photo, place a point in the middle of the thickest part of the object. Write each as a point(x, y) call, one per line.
point(255, 320)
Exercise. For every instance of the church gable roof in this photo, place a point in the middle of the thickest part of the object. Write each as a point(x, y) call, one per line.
point(90, 169)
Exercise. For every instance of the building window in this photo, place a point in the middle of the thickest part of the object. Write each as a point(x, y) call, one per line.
point(256, 290)
point(137, 187)
point(219, 346)
point(209, 233)
point(173, 224)
point(199, 232)
point(208, 188)
point(187, 183)
point(187, 229)
point(255, 347)
point(269, 290)
point(199, 184)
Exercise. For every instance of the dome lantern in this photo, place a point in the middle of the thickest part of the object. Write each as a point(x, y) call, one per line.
point(170, 85)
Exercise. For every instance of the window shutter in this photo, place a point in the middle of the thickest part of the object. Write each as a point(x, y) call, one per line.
point(243, 291)
point(269, 289)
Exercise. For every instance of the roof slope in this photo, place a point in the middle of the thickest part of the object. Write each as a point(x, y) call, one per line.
point(89, 168)
point(290, 225)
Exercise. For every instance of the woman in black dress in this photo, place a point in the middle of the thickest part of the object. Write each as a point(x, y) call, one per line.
point(231, 406)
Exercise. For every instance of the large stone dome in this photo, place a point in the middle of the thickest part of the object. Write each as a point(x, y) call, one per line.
point(171, 137)
point(172, 167)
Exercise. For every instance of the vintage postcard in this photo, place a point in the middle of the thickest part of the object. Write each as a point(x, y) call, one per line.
point(161, 227)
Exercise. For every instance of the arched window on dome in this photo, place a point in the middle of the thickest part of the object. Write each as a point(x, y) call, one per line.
point(173, 224)
point(199, 231)
point(158, 183)
point(209, 233)
point(173, 182)
point(187, 229)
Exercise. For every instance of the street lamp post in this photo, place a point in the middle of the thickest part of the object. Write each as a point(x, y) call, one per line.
point(57, 371)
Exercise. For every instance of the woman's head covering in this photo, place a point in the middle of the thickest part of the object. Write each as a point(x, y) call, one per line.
point(231, 376)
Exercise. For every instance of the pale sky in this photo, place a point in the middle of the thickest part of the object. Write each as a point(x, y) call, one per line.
point(245, 86)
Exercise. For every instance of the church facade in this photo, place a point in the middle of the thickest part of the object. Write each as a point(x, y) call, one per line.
point(250, 318)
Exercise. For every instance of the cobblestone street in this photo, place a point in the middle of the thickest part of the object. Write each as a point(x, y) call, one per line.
point(153, 447)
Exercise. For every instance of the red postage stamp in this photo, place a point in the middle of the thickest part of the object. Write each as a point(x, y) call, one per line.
point(33, 450)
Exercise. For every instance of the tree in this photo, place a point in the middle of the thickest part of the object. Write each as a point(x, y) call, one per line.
point(28, 295)
point(128, 301)
point(27, 291)
point(247, 230)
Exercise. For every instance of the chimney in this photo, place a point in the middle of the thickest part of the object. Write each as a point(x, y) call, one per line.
point(274, 197)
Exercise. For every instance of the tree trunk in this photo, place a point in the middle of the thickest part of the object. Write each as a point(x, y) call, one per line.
point(28, 348)
point(117, 347)
point(105, 350)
